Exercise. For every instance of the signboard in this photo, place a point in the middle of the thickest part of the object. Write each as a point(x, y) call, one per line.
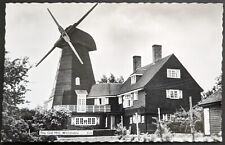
point(66, 132)
point(137, 118)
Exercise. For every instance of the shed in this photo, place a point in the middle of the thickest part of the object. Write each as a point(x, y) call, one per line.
point(212, 113)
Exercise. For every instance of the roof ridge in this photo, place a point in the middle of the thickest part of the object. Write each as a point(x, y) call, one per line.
point(144, 67)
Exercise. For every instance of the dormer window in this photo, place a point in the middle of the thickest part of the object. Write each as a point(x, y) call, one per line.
point(133, 79)
point(77, 81)
point(173, 73)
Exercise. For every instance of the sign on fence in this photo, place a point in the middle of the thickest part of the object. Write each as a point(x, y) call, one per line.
point(66, 132)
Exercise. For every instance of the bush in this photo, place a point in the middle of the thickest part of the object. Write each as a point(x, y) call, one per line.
point(120, 130)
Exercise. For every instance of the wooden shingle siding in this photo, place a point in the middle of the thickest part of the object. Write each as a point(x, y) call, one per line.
point(215, 119)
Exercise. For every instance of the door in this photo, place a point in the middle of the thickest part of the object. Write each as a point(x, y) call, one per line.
point(81, 100)
point(112, 122)
point(206, 121)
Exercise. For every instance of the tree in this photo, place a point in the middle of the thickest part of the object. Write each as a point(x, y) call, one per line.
point(15, 83)
point(104, 79)
point(111, 79)
point(216, 87)
point(14, 128)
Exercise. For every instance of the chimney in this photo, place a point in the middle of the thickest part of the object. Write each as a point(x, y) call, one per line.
point(156, 52)
point(136, 62)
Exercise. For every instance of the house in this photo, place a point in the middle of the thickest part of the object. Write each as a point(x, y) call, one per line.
point(165, 83)
point(212, 113)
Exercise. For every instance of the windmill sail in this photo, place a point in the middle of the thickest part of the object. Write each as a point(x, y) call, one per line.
point(45, 56)
point(65, 36)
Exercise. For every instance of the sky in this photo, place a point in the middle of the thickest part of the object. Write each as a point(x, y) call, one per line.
point(193, 32)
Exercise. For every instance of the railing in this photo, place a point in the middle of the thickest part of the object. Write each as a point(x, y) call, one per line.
point(89, 108)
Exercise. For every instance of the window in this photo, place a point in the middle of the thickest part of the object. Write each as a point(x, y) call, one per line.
point(136, 95)
point(97, 101)
point(106, 122)
point(84, 121)
point(171, 117)
point(128, 101)
point(165, 117)
point(101, 101)
point(131, 120)
point(89, 120)
point(174, 94)
point(77, 81)
point(173, 73)
point(131, 101)
point(105, 101)
point(81, 100)
point(93, 120)
point(133, 79)
point(142, 119)
point(120, 101)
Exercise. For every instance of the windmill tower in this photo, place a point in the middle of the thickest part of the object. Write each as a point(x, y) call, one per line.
point(75, 75)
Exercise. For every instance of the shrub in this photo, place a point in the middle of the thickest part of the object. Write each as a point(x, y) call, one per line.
point(120, 130)
point(162, 131)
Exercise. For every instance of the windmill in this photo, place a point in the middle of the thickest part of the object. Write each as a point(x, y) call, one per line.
point(75, 75)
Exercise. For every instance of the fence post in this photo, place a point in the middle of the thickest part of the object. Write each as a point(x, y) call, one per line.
point(191, 119)
point(159, 123)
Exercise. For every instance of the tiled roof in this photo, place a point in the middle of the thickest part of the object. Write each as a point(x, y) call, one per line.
point(215, 97)
point(148, 72)
point(105, 89)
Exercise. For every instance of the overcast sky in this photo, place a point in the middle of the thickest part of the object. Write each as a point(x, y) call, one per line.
point(193, 32)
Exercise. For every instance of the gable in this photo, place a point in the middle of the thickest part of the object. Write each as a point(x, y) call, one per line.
point(150, 71)
point(185, 76)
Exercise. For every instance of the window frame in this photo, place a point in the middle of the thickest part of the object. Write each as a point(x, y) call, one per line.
point(174, 94)
point(133, 79)
point(77, 81)
point(84, 121)
point(173, 73)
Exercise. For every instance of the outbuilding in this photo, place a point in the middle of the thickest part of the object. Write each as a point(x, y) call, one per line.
point(212, 113)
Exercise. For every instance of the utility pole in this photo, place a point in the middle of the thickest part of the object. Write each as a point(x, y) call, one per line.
point(191, 119)
point(136, 120)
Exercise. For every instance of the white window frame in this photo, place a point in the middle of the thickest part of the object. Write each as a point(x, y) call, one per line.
point(173, 73)
point(128, 101)
point(81, 100)
point(77, 81)
point(106, 121)
point(84, 121)
point(133, 79)
point(120, 99)
point(96, 101)
point(136, 95)
point(131, 120)
point(174, 94)
point(165, 117)
point(101, 101)
point(142, 119)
